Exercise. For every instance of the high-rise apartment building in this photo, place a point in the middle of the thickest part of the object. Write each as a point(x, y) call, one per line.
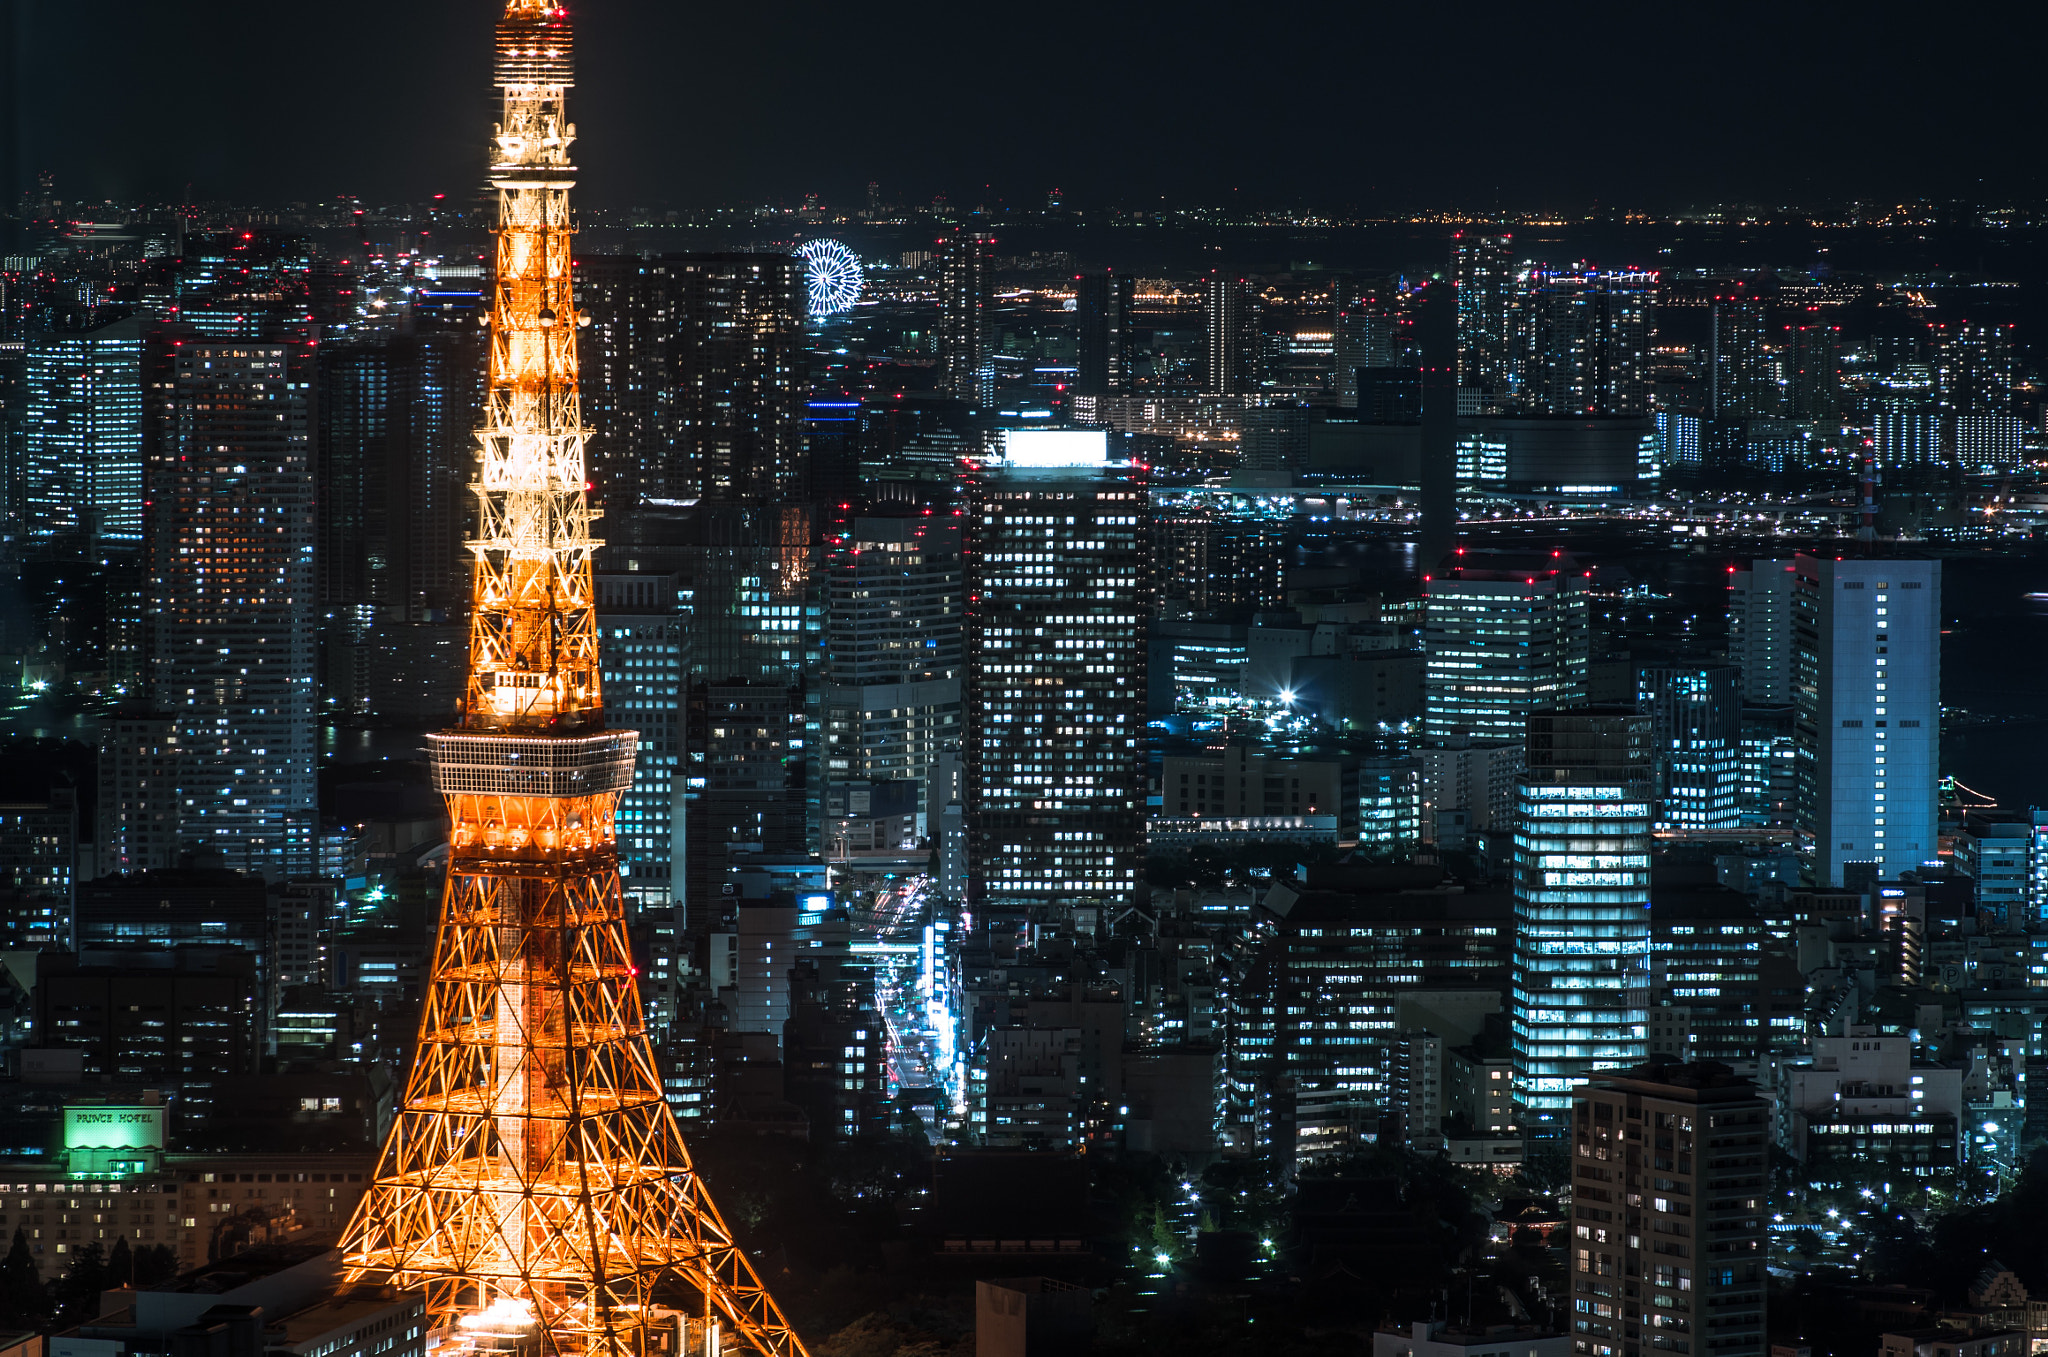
point(1583, 341)
point(81, 436)
point(696, 382)
point(1975, 368)
point(1503, 638)
point(1813, 369)
point(231, 597)
point(1760, 630)
point(1670, 1165)
point(1582, 893)
point(1059, 596)
point(1695, 713)
point(1230, 312)
point(1485, 280)
point(1741, 382)
point(394, 445)
point(1107, 333)
point(966, 288)
point(1868, 688)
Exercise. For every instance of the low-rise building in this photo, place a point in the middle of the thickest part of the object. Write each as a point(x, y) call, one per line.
point(1862, 1100)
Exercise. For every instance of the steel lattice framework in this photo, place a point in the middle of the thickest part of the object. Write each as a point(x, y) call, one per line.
point(536, 1185)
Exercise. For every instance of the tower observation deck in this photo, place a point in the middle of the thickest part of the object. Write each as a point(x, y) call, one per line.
point(535, 1185)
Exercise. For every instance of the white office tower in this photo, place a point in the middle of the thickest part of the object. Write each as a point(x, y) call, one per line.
point(1868, 660)
point(1760, 631)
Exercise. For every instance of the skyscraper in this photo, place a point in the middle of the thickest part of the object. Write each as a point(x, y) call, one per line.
point(1583, 341)
point(1230, 312)
point(640, 621)
point(1480, 268)
point(81, 436)
point(1760, 630)
point(1975, 367)
point(1813, 369)
point(1582, 904)
point(894, 615)
point(1867, 679)
point(965, 289)
point(1695, 713)
point(1504, 638)
point(1740, 381)
point(1059, 596)
point(231, 597)
point(698, 378)
point(1106, 335)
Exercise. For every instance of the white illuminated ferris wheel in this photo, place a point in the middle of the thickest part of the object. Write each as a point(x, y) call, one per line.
point(832, 276)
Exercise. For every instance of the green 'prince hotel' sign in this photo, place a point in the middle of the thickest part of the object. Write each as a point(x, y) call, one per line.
point(113, 1128)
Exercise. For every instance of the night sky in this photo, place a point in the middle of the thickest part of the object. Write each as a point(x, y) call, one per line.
point(1334, 104)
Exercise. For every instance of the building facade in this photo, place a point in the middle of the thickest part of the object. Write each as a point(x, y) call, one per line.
point(1670, 1165)
point(232, 602)
point(1867, 663)
point(1059, 599)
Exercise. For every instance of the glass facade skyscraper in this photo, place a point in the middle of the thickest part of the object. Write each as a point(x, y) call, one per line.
point(1501, 642)
point(1695, 713)
point(81, 435)
point(1581, 980)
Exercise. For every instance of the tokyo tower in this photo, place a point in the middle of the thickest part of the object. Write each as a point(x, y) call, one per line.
point(535, 1185)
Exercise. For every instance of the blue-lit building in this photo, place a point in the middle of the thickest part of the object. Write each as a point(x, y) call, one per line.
point(1389, 803)
point(1505, 636)
point(642, 630)
point(1695, 713)
point(1580, 990)
point(1867, 680)
point(81, 436)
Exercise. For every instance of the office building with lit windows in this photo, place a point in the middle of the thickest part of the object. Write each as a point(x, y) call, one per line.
point(1581, 980)
point(1504, 637)
point(641, 624)
point(1760, 630)
point(1867, 676)
point(1059, 593)
point(231, 598)
point(1695, 713)
point(81, 435)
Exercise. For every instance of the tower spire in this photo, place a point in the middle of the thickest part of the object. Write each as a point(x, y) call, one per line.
point(535, 1184)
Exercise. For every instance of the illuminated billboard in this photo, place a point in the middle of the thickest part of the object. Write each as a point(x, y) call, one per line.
point(113, 1128)
point(1056, 447)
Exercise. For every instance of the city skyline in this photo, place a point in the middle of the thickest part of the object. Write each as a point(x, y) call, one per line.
point(1094, 775)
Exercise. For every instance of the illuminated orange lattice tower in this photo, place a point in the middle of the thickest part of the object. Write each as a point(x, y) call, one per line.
point(535, 1186)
